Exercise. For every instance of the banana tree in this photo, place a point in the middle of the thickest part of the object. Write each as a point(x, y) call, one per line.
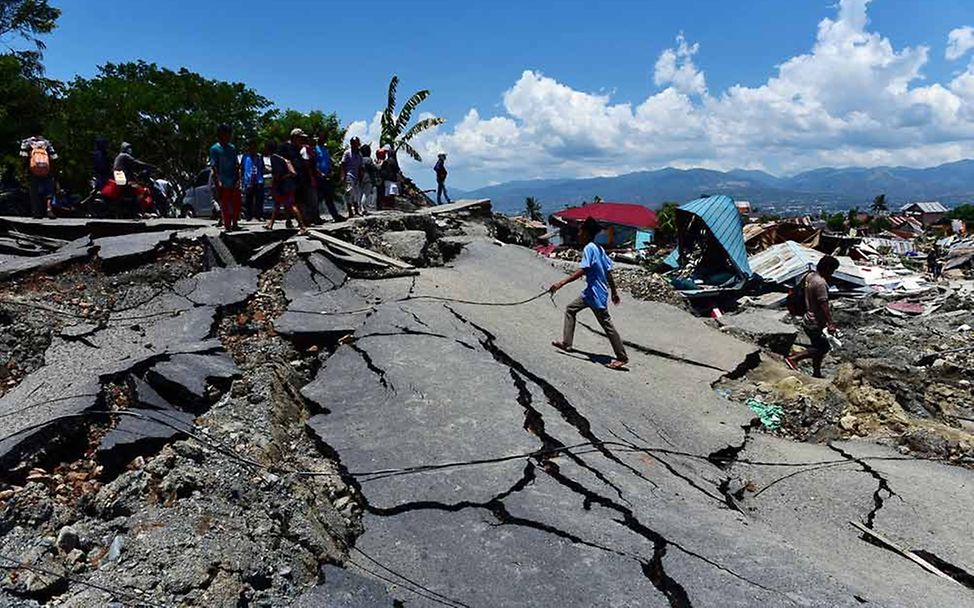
point(394, 125)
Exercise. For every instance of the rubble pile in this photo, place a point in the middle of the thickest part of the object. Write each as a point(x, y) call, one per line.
point(901, 378)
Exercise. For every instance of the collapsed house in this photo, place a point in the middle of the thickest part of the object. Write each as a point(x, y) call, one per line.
point(625, 225)
point(710, 256)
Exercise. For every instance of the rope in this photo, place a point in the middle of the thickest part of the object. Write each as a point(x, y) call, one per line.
point(476, 303)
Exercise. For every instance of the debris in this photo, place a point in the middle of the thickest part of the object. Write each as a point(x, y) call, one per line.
point(770, 415)
point(349, 248)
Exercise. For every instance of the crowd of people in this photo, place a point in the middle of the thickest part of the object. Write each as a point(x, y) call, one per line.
point(303, 178)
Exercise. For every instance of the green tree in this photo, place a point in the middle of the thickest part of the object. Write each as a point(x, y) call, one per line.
point(854, 217)
point(596, 199)
point(666, 223)
point(532, 209)
point(27, 20)
point(836, 222)
point(394, 131)
point(24, 103)
point(962, 212)
point(879, 204)
point(170, 117)
point(879, 224)
point(278, 126)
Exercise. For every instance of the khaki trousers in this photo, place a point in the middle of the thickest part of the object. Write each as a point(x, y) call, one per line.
point(602, 316)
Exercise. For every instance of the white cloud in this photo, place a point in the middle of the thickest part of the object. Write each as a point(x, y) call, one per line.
point(675, 67)
point(959, 41)
point(852, 99)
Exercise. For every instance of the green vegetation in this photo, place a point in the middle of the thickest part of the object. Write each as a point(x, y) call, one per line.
point(394, 125)
point(666, 223)
point(532, 209)
point(879, 224)
point(836, 222)
point(962, 212)
point(879, 204)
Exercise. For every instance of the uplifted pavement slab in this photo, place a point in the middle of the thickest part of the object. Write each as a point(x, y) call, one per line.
point(75, 251)
point(143, 428)
point(323, 316)
point(220, 286)
point(120, 251)
point(185, 376)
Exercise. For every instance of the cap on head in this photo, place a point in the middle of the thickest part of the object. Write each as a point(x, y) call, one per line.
point(297, 132)
point(126, 147)
point(223, 129)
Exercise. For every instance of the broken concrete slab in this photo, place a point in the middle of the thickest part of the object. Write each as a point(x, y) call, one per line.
point(220, 287)
point(406, 245)
point(147, 397)
point(217, 253)
point(325, 316)
point(143, 430)
point(305, 245)
point(21, 265)
point(327, 269)
point(762, 326)
point(184, 377)
point(118, 252)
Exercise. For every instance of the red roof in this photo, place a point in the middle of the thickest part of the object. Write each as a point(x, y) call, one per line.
point(626, 214)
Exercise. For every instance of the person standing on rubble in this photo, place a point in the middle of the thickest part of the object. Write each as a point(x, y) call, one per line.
point(226, 177)
point(440, 169)
point(284, 183)
point(596, 267)
point(933, 263)
point(38, 155)
point(818, 315)
point(326, 187)
point(352, 177)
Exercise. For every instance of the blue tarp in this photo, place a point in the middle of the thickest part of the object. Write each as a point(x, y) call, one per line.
point(724, 221)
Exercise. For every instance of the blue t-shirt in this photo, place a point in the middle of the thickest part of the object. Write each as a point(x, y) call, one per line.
point(323, 158)
point(596, 266)
point(224, 158)
point(252, 170)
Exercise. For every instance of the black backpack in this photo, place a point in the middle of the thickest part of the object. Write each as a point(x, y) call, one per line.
point(796, 303)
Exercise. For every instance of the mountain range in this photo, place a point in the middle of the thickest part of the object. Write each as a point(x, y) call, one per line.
point(810, 191)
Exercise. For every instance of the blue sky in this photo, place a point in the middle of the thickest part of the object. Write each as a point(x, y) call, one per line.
point(573, 88)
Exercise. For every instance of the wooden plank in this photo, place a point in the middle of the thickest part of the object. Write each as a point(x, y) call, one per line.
point(346, 246)
point(457, 206)
point(910, 555)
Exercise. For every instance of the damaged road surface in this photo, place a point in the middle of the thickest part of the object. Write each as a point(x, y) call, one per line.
point(496, 471)
point(258, 420)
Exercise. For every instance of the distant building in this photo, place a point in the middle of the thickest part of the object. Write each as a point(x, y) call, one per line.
point(624, 224)
point(927, 212)
point(744, 207)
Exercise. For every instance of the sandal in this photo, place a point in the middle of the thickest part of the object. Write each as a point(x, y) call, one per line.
point(561, 346)
point(791, 364)
point(617, 364)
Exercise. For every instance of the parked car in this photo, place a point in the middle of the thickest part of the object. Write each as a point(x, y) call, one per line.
point(198, 199)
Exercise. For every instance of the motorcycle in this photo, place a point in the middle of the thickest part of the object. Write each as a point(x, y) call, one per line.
point(140, 198)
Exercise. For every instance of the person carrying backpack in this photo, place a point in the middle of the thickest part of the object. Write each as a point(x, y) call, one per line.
point(39, 156)
point(810, 300)
point(596, 267)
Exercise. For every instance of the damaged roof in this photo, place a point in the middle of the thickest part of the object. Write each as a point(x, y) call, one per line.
point(624, 214)
point(724, 221)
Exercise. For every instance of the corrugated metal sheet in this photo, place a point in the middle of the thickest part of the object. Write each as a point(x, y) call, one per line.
point(925, 207)
point(724, 221)
point(785, 262)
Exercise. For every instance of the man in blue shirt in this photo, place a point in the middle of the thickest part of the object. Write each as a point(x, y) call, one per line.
point(596, 267)
point(326, 186)
point(252, 176)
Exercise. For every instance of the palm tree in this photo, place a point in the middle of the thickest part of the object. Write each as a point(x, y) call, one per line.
point(879, 205)
point(394, 130)
point(532, 208)
point(596, 199)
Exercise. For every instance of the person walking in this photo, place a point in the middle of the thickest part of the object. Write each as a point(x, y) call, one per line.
point(596, 267)
point(326, 185)
point(933, 263)
point(226, 177)
point(308, 181)
point(351, 171)
point(252, 179)
point(440, 169)
point(284, 183)
point(39, 156)
point(818, 315)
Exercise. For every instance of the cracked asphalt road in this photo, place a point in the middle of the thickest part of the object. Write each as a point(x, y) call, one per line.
point(478, 389)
